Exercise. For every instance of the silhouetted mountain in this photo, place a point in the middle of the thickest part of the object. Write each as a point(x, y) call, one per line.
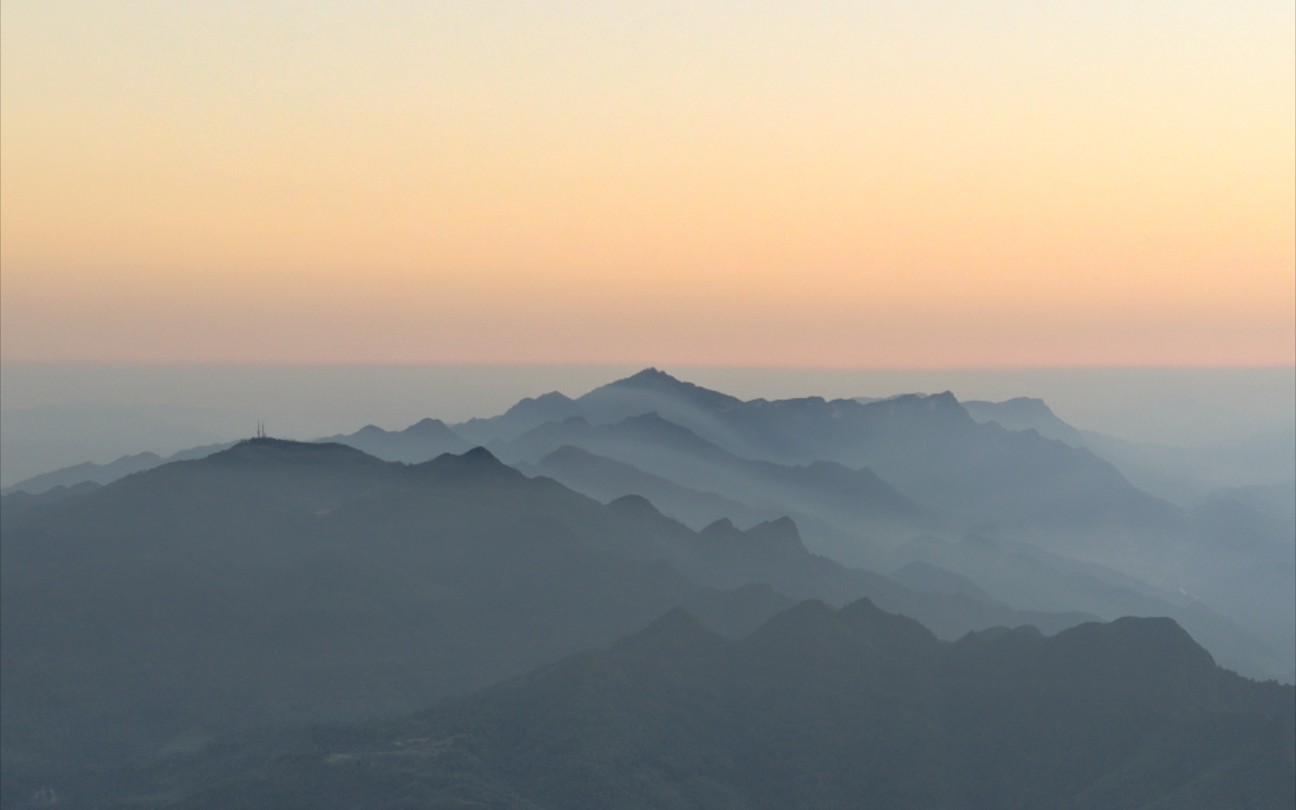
point(605, 479)
point(816, 708)
point(279, 582)
point(20, 501)
point(653, 391)
point(1001, 483)
point(930, 449)
point(723, 556)
point(421, 441)
point(88, 472)
point(854, 502)
point(1010, 578)
point(1004, 483)
point(1028, 578)
point(107, 473)
point(923, 576)
point(927, 446)
point(525, 415)
point(1026, 413)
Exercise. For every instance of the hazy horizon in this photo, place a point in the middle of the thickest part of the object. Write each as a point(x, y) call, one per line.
point(100, 412)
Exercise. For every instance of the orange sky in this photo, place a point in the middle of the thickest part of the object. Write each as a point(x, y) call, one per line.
point(930, 183)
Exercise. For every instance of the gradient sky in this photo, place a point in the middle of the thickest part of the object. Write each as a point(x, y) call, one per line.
point(890, 184)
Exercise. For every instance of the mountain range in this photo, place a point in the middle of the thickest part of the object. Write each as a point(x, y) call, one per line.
point(158, 617)
point(282, 582)
point(817, 707)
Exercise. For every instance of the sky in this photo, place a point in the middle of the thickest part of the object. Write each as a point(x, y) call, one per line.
point(925, 184)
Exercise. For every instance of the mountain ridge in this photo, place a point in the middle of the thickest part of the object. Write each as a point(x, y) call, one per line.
point(817, 707)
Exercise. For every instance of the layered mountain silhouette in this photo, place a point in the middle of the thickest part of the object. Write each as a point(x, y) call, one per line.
point(605, 479)
point(422, 441)
point(1179, 474)
point(279, 582)
point(845, 503)
point(818, 707)
point(862, 478)
point(91, 473)
point(164, 620)
point(1025, 413)
point(527, 414)
point(1029, 578)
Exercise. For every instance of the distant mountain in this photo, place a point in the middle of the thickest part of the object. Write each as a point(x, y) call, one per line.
point(1184, 474)
point(698, 409)
point(419, 442)
point(1273, 505)
point(923, 576)
point(1025, 577)
point(527, 414)
point(851, 503)
point(1011, 485)
point(930, 448)
point(20, 501)
point(1026, 413)
point(926, 446)
point(1178, 474)
point(624, 398)
point(816, 708)
point(605, 480)
point(968, 476)
point(90, 472)
point(862, 478)
point(422, 441)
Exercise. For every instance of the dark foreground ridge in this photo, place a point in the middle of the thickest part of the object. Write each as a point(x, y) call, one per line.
point(818, 708)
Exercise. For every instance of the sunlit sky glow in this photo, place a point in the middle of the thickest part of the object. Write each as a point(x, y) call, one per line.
point(898, 184)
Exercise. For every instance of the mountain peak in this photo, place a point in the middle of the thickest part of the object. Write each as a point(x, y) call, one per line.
point(1158, 635)
point(781, 532)
point(551, 406)
point(655, 427)
point(280, 451)
point(887, 631)
point(943, 403)
point(675, 633)
point(1152, 654)
point(427, 425)
point(721, 527)
point(807, 631)
point(474, 463)
point(651, 390)
point(652, 373)
point(633, 506)
point(1026, 413)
